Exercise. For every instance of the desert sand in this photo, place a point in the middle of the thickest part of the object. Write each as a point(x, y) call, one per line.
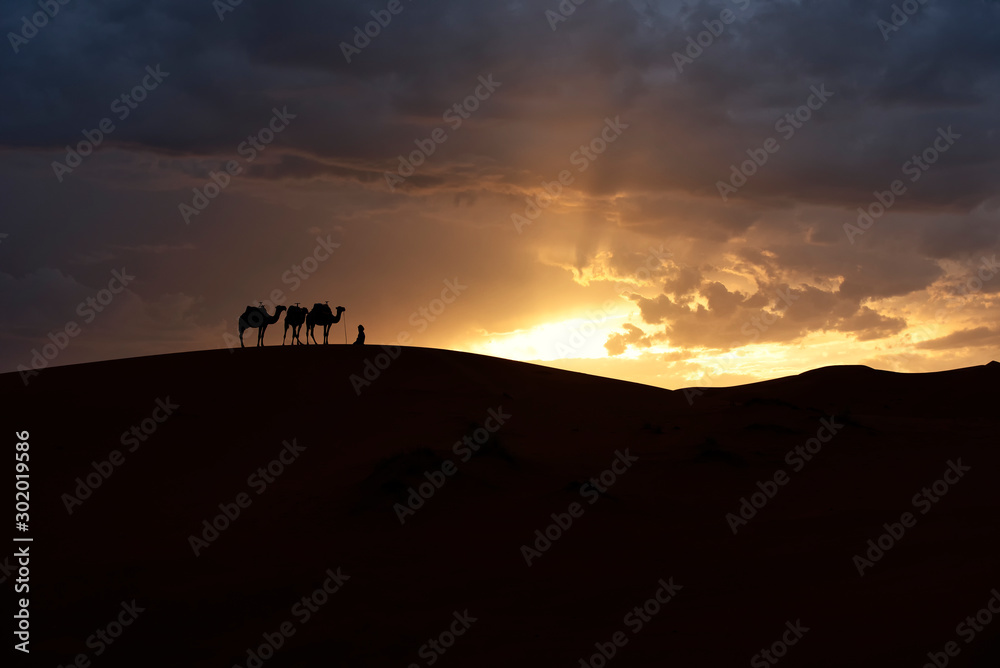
point(679, 461)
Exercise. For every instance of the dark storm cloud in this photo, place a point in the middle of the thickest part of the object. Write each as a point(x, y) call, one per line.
point(297, 167)
point(782, 231)
point(889, 96)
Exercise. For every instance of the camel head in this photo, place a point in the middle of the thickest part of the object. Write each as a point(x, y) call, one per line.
point(279, 309)
point(340, 309)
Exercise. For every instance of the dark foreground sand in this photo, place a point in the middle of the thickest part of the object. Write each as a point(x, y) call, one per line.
point(690, 459)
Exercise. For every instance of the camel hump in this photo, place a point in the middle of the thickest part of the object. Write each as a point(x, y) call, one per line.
point(322, 308)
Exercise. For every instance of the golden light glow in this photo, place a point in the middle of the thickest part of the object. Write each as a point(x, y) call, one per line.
point(576, 338)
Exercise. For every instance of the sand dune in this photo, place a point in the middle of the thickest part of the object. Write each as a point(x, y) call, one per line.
point(498, 448)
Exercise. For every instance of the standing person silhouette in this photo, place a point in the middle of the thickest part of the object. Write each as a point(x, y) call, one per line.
point(361, 336)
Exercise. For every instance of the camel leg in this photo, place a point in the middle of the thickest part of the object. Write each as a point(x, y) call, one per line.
point(260, 335)
point(241, 337)
point(286, 334)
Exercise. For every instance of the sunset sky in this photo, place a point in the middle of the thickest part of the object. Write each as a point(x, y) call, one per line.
point(660, 191)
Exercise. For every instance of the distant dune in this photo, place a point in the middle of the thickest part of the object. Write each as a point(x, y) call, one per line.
point(502, 449)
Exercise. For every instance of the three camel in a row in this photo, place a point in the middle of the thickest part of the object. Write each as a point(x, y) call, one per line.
point(321, 314)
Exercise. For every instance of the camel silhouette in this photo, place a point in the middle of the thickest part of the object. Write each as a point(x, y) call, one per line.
point(294, 318)
point(321, 315)
point(257, 316)
point(360, 341)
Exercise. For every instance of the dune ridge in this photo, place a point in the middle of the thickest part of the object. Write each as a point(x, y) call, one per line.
point(348, 461)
